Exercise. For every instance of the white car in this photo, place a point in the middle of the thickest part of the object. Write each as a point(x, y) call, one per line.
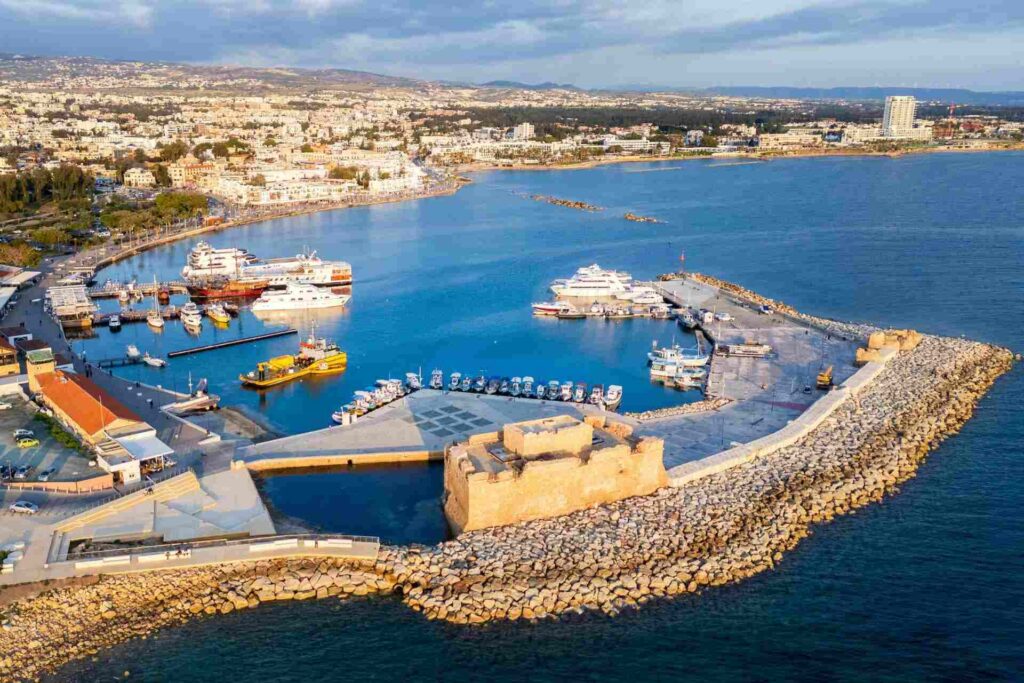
point(24, 507)
point(23, 434)
point(723, 317)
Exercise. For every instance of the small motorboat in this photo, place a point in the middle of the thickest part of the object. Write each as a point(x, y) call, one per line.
point(132, 352)
point(554, 389)
point(455, 383)
point(528, 383)
point(154, 362)
point(551, 307)
point(613, 397)
point(597, 395)
point(467, 383)
point(565, 391)
point(480, 384)
point(516, 386)
point(217, 314)
point(412, 380)
point(505, 386)
point(579, 394)
point(492, 386)
point(114, 322)
point(437, 379)
point(541, 391)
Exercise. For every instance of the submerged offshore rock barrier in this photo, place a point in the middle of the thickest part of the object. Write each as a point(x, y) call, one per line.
point(712, 531)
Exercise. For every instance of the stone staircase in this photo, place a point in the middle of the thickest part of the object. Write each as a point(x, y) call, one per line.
point(162, 492)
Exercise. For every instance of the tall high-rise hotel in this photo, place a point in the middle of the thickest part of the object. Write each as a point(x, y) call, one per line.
point(898, 120)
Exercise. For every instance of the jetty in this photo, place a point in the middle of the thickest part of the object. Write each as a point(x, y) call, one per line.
point(113, 290)
point(232, 342)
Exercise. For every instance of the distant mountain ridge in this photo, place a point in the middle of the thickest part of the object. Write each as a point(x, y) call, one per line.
point(547, 85)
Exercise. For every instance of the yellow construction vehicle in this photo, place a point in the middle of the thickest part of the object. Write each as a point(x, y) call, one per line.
point(825, 378)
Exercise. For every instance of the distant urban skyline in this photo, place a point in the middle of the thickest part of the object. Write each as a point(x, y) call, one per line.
point(812, 43)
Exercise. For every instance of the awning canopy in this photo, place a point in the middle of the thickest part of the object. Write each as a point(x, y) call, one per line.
point(143, 445)
point(21, 278)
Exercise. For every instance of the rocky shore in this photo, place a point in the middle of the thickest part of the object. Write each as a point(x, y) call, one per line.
point(712, 531)
point(684, 409)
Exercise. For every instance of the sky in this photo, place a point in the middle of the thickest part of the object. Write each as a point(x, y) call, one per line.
point(974, 44)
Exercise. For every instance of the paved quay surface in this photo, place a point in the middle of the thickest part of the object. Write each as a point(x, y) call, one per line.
point(427, 420)
point(767, 393)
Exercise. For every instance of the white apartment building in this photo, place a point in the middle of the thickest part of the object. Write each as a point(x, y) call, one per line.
point(898, 119)
point(524, 131)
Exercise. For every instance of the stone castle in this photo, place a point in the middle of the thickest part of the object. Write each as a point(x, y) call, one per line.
point(545, 468)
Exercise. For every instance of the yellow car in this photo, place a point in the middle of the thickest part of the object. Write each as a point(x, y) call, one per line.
point(28, 442)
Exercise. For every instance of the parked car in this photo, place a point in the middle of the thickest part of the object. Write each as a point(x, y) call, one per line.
point(22, 472)
point(24, 507)
point(46, 474)
point(6, 471)
point(24, 434)
point(28, 442)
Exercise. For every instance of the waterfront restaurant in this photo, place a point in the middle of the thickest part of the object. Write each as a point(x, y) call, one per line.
point(123, 443)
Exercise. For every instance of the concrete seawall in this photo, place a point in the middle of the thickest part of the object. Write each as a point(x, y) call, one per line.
point(797, 429)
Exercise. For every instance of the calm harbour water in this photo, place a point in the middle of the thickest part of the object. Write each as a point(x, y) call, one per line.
point(926, 585)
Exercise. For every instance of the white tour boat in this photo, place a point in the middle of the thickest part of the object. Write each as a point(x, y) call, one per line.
point(132, 352)
point(298, 297)
point(153, 362)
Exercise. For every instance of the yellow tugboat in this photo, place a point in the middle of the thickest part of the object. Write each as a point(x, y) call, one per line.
point(316, 356)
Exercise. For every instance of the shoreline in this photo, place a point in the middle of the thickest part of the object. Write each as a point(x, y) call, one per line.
point(109, 260)
point(712, 531)
point(478, 167)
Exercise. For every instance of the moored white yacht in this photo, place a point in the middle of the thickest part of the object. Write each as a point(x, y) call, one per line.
point(298, 297)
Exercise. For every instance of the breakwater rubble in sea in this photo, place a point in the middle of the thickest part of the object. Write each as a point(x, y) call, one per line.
point(569, 203)
point(712, 531)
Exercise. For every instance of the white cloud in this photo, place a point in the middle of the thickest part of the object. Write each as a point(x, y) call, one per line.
point(95, 11)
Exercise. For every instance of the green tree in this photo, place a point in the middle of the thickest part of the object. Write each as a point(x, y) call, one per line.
point(174, 150)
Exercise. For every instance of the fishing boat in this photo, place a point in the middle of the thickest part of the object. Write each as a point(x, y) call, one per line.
point(316, 356)
point(480, 384)
point(413, 380)
point(455, 383)
point(437, 379)
point(554, 390)
point(677, 355)
point(527, 386)
point(340, 415)
point(516, 386)
point(505, 385)
point(687, 320)
point(579, 393)
point(114, 322)
point(565, 391)
point(217, 314)
point(467, 383)
point(154, 362)
point(132, 352)
point(492, 385)
point(541, 391)
point(613, 397)
point(597, 395)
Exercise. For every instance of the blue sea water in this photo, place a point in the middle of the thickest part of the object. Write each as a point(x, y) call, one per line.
point(924, 586)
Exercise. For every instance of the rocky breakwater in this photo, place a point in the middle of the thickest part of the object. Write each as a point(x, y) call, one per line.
point(45, 632)
point(715, 530)
point(685, 409)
